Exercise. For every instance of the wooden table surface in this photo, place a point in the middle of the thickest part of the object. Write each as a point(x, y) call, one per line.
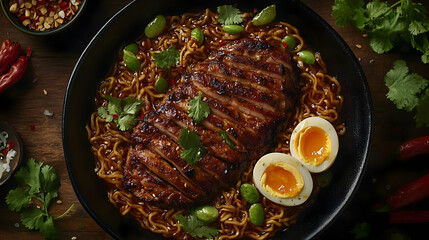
point(51, 65)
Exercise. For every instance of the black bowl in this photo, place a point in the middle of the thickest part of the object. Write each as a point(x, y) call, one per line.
point(13, 18)
point(128, 25)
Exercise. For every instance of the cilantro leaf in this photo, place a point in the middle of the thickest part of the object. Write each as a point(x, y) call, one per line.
point(49, 179)
point(404, 87)
point(123, 112)
point(167, 58)
point(376, 9)
point(195, 227)
point(228, 141)
point(229, 15)
point(32, 218)
point(29, 175)
point(17, 199)
point(422, 114)
point(193, 149)
point(48, 229)
point(198, 110)
point(349, 12)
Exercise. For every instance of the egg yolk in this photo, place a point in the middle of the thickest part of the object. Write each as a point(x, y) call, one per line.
point(282, 180)
point(314, 145)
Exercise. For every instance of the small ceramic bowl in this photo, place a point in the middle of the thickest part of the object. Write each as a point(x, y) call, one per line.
point(34, 12)
point(14, 142)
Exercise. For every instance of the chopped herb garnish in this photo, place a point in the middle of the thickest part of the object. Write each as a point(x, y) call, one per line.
point(123, 112)
point(37, 184)
point(198, 110)
point(167, 58)
point(193, 149)
point(408, 91)
point(227, 140)
point(195, 227)
point(229, 15)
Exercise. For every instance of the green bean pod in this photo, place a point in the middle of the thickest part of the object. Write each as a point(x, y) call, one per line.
point(131, 61)
point(233, 29)
point(249, 193)
point(206, 213)
point(198, 35)
point(290, 42)
point(161, 85)
point(307, 57)
point(265, 16)
point(155, 27)
point(132, 47)
point(256, 214)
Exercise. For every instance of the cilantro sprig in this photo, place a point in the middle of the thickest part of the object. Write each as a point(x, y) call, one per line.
point(228, 15)
point(38, 186)
point(227, 140)
point(195, 227)
point(123, 112)
point(193, 149)
point(198, 110)
point(167, 58)
point(387, 25)
point(409, 91)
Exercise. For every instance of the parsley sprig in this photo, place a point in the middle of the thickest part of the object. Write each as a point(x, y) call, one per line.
point(409, 91)
point(37, 184)
point(387, 25)
point(123, 112)
point(195, 227)
point(228, 15)
point(167, 58)
point(198, 110)
point(193, 149)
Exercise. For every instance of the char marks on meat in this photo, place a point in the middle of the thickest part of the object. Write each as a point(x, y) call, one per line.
point(250, 86)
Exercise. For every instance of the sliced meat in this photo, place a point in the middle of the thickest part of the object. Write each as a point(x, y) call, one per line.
point(250, 86)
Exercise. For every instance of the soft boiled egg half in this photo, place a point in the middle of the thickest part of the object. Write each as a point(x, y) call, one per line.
point(282, 179)
point(314, 142)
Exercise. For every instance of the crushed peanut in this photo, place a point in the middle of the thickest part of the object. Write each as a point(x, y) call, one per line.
point(42, 15)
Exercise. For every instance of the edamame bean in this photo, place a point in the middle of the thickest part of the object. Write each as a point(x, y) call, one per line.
point(132, 47)
point(307, 56)
point(290, 41)
point(265, 16)
point(206, 213)
point(161, 85)
point(249, 193)
point(131, 61)
point(155, 27)
point(198, 35)
point(256, 214)
point(232, 29)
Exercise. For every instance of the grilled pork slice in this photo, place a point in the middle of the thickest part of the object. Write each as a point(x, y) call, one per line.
point(250, 87)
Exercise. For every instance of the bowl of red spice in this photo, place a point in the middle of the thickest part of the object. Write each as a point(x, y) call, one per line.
point(42, 17)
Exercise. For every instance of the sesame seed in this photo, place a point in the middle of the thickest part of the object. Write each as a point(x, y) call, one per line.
point(365, 35)
point(45, 92)
point(371, 61)
point(73, 238)
point(358, 46)
point(59, 202)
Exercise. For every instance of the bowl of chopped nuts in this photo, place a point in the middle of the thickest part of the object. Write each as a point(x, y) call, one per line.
point(42, 17)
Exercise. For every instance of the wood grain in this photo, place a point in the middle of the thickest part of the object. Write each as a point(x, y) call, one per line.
point(53, 60)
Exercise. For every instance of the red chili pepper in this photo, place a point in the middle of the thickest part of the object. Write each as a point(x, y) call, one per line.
point(16, 72)
point(141, 116)
point(115, 116)
point(4, 152)
point(410, 193)
point(9, 52)
point(171, 81)
point(285, 44)
point(409, 216)
point(32, 127)
point(414, 147)
point(10, 145)
point(221, 43)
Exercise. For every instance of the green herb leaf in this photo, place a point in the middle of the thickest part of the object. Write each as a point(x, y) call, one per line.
point(404, 87)
point(32, 218)
point(39, 183)
point(198, 110)
point(349, 12)
point(17, 199)
point(167, 58)
point(193, 148)
point(227, 140)
point(123, 112)
point(195, 227)
point(229, 15)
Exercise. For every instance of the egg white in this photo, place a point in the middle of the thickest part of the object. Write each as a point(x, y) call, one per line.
point(270, 158)
point(325, 126)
